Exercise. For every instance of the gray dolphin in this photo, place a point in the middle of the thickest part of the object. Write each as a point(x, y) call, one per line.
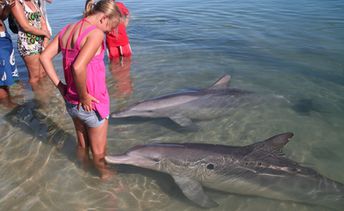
point(182, 107)
point(258, 169)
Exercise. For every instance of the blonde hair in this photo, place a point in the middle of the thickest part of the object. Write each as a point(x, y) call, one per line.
point(108, 7)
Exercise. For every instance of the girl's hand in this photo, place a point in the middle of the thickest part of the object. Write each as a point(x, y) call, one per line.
point(46, 34)
point(11, 3)
point(62, 88)
point(86, 102)
point(45, 43)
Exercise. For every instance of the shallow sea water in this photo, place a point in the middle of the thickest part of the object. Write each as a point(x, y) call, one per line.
point(289, 54)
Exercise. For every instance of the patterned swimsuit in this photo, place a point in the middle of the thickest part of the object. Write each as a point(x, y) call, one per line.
point(30, 44)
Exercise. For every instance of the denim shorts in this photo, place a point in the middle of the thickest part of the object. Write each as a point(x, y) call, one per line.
point(90, 118)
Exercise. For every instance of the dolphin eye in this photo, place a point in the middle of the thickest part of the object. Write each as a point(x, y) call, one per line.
point(210, 166)
point(155, 159)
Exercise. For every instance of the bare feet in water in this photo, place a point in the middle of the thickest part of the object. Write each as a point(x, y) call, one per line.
point(104, 171)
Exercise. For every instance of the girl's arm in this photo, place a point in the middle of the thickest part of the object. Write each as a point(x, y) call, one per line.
point(3, 15)
point(45, 23)
point(46, 59)
point(18, 12)
point(6, 9)
point(126, 15)
point(89, 49)
point(45, 28)
point(126, 20)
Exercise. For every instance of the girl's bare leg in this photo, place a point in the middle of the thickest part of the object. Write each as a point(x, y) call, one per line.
point(81, 134)
point(84, 157)
point(98, 141)
point(83, 143)
point(4, 93)
point(34, 67)
point(43, 90)
point(5, 97)
point(98, 138)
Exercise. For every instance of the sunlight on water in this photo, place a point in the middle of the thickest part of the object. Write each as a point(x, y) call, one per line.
point(289, 55)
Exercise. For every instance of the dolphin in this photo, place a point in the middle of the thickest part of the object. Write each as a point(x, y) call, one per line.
point(184, 106)
point(259, 169)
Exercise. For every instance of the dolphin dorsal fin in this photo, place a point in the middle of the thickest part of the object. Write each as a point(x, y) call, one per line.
point(221, 83)
point(274, 143)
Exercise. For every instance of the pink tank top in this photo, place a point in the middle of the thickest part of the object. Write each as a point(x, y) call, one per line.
point(95, 76)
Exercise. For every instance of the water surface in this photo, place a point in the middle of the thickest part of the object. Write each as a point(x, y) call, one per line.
point(289, 53)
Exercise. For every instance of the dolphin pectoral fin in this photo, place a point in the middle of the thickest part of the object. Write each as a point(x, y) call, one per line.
point(181, 120)
point(193, 190)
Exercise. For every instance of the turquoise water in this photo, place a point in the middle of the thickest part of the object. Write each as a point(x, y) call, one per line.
point(289, 53)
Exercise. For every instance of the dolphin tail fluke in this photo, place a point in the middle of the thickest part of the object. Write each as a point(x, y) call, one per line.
point(221, 83)
point(193, 190)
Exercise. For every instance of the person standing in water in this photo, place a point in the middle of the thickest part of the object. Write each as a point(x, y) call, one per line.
point(33, 36)
point(44, 10)
point(119, 52)
point(85, 92)
point(117, 40)
point(8, 69)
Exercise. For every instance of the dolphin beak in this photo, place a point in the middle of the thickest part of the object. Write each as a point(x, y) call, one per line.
point(119, 159)
point(131, 160)
point(114, 115)
point(120, 114)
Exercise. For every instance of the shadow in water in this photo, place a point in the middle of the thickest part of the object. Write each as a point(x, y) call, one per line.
point(164, 122)
point(30, 120)
point(306, 106)
point(164, 181)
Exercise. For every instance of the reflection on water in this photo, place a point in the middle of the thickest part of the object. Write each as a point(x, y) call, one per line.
point(121, 79)
point(120, 72)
